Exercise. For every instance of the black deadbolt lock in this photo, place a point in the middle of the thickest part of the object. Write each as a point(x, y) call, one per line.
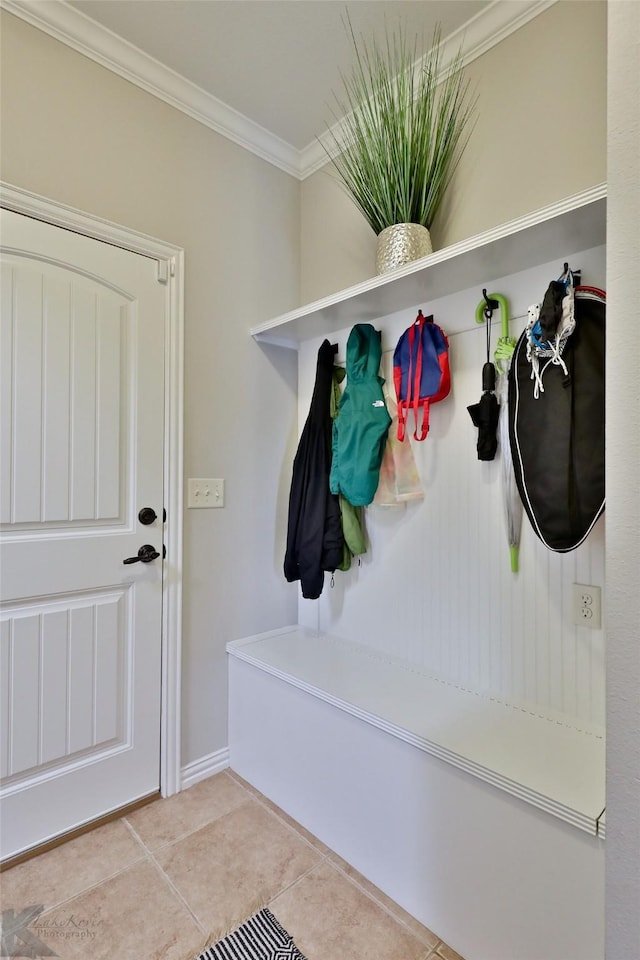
point(147, 515)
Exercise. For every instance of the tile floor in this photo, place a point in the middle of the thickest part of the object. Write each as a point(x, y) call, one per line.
point(157, 884)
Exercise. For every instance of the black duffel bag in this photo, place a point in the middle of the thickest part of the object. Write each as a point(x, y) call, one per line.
point(557, 424)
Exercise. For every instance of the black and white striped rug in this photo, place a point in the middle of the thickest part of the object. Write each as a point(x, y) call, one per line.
point(259, 938)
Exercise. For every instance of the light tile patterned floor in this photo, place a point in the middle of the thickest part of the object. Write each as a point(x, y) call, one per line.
point(157, 884)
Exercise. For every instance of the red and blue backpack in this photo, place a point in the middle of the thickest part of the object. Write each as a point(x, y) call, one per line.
point(421, 372)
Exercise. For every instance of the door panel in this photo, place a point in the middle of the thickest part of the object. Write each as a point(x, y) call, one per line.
point(82, 451)
point(66, 670)
point(68, 347)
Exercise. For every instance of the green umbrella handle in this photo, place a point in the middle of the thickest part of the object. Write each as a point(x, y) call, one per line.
point(504, 311)
point(506, 344)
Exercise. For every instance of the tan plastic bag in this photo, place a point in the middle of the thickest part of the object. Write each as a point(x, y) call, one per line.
point(399, 477)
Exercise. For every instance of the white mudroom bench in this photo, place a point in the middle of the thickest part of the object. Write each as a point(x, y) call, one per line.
point(479, 817)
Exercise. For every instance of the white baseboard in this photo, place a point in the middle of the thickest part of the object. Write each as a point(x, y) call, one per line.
point(205, 767)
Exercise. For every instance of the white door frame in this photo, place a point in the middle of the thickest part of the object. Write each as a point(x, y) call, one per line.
point(171, 272)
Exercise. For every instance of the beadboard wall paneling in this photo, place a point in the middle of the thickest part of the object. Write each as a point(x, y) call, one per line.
point(435, 587)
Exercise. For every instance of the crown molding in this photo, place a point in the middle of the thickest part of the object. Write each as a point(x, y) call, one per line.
point(73, 28)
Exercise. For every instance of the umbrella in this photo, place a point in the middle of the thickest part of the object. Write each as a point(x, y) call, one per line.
point(511, 497)
point(485, 414)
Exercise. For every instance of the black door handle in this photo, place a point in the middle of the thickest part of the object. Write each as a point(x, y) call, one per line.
point(146, 554)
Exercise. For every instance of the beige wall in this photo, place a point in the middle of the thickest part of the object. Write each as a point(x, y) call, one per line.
point(76, 133)
point(540, 136)
point(338, 247)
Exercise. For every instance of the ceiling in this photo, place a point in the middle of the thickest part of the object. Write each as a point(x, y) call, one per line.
point(264, 73)
point(274, 61)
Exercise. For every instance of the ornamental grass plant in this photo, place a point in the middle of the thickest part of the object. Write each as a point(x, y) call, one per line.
point(405, 122)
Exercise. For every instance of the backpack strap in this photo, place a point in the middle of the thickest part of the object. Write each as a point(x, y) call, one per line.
point(404, 404)
point(413, 387)
point(425, 422)
point(413, 382)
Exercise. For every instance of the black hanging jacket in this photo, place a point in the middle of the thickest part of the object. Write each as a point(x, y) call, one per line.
point(314, 534)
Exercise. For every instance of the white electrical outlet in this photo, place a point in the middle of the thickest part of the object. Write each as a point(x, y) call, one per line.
point(587, 606)
point(204, 492)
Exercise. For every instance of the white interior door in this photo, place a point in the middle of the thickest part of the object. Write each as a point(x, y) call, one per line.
point(82, 433)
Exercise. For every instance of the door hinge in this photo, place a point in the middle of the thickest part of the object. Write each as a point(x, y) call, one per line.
point(163, 271)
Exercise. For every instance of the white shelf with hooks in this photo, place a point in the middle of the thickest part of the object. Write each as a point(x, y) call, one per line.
point(575, 223)
point(438, 783)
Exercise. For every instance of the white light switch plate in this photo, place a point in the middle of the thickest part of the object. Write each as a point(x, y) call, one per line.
point(204, 492)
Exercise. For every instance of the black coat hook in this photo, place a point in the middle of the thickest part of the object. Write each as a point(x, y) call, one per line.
point(577, 274)
point(491, 304)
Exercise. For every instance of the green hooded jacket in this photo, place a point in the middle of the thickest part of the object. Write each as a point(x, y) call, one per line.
point(361, 427)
